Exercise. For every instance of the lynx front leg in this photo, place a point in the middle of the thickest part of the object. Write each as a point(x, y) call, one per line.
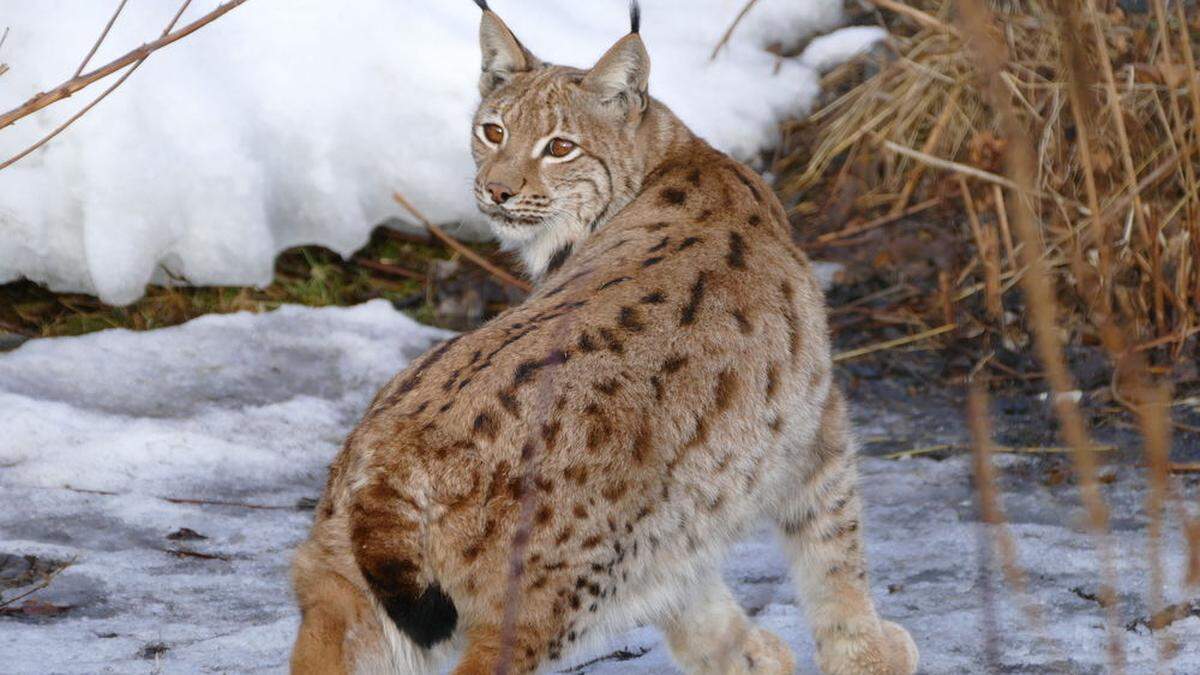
point(821, 530)
point(713, 636)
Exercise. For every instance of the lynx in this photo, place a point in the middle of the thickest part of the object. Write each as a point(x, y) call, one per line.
point(578, 465)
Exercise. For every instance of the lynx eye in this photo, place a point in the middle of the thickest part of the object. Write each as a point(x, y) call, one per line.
point(559, 147)
point(493, 132)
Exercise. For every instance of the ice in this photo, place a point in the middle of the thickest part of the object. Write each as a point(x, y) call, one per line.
point(291, 122)
point(113, 441)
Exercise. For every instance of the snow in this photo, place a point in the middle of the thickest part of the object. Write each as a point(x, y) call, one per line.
point(290, 122)
point(243, 412)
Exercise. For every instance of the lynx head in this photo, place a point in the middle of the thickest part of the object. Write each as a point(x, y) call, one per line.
point(557, 149)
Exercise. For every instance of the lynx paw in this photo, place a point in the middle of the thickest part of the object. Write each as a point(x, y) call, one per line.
point(891, 651)
point(763, 653)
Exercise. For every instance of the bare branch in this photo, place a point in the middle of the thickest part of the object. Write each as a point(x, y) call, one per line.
point(71, 120)
point(103, 34)
point(729, 32)
point(460, 248)
point(75, 84)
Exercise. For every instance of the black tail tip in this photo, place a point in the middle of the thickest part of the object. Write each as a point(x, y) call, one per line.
point(635, 17)
point(426, 619)
point(482, 4)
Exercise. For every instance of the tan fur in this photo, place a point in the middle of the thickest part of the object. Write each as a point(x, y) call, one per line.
point(666, 385)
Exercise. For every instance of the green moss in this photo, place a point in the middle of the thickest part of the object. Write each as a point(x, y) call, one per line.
point(308, 275)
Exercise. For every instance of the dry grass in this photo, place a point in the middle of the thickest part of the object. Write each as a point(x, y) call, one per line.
point(1115, 186)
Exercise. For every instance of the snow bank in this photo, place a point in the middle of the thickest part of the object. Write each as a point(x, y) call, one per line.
point(99, 433)
point(290, 122)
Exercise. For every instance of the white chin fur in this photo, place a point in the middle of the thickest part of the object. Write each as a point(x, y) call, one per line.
point(513, 237)
point(537, 244)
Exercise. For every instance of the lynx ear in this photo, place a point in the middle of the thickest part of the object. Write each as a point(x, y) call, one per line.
point(503, 53)
point(622, 74)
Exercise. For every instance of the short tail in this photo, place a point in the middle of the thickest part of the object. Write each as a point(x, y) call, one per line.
point(384, 535)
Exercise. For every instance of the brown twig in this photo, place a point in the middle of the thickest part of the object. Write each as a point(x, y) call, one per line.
point(992, 511)
point(846, 232)
point(103, 34)
point(394, 270)
point(44, 583)
point(188, 553)
point(729, 32)
point(75, 84)
point(916, 15)
point(185, 500)
point(930, 145)
point(892, 344)
point(991, 58)
point(989, 253)
point(462, 249)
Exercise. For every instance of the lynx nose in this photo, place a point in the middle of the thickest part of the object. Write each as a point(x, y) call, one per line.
point(500, 192)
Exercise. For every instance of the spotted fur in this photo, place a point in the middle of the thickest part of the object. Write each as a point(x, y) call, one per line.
point(665, 386)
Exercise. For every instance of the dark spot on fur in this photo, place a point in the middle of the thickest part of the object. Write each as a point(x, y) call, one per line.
point(650, 262)
point(641, 441)
point(591, 542)
point(727, 385)
point(672, 196)
point(525, 371)
point(655, 298)
point(560, 256)
point(612, 282)
point(508, 400)
point(484, 424)
point(688, 314)
point(659, 246)
point(743, 323)
point(630, 321)
point(576, 474)
point(585, 343)
point(580, 512)
point(687, 243)
point(700, 434)
point(753, 189)
point(755, 220)
point(673, 364)
point(693, 177)
point(737, 251)
point(772, 381)
point(614, 491)
point(789, 315)
point(550, 434)
point(598, 434)
point(704, 215)
point(656, 382)
point(543, 515)
point(608, 387)
point(655, 227)
point(610, 340)
point(776, 423)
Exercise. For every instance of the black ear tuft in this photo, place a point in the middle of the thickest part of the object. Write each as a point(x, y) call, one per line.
point(635, 16)
point(482, 4)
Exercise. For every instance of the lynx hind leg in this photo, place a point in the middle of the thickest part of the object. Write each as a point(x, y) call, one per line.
point(342, 631)
point(713, 635)
point(820, 527)
point(336, 618)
